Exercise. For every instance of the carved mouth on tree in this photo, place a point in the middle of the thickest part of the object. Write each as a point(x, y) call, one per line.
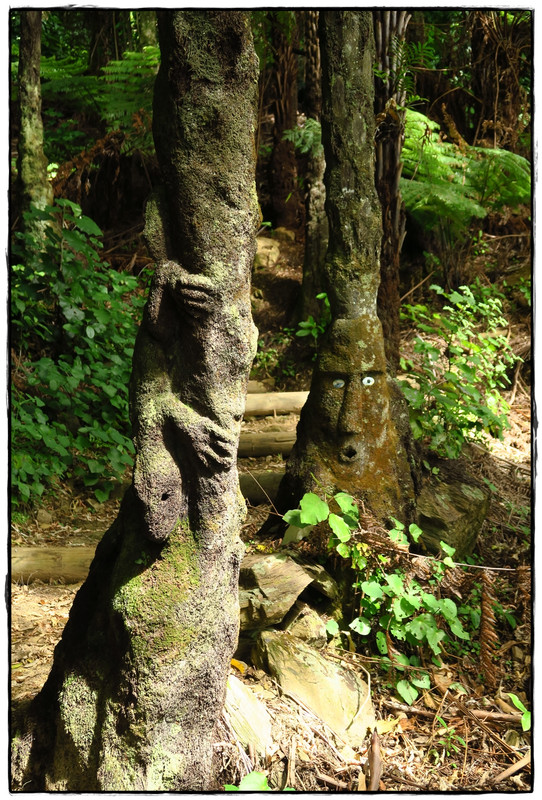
point(349, 452)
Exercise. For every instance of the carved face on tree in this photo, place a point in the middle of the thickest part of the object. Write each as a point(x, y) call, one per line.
point(353, 400)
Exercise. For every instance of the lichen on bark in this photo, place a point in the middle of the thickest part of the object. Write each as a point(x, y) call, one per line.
point(346, 437)
point(139, 677)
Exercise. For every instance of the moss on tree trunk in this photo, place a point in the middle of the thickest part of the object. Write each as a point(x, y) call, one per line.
point(346, 438)
point(139, 677)
point(32, 185)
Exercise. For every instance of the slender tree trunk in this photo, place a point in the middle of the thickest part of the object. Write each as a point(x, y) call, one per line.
point(286, 198)
point(33, 186)
point(390, 27)
point(139, 677)
point(346, 437)
point(316, 227)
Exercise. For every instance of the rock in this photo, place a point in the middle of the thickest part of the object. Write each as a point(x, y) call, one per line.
point(306, 624)
point(44, 517)
point(267, 253)
point(451, 509)
point(337, 695)
point(247, 716)
point(284, 234)
point(270, 584)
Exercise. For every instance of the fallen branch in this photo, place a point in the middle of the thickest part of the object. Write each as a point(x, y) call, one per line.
point(513, 768)
point(481, 716)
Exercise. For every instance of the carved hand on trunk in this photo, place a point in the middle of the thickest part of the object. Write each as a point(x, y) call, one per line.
point(175, 443)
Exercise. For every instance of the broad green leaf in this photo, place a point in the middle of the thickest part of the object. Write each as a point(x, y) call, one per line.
point(343, 550)
point(395, 583)
point(421, 680)
point(361, 625)
point(339, 527)
point(381, 642)
point(313, 509)
point(373, 589)
point(407, 691)
point(332, 627)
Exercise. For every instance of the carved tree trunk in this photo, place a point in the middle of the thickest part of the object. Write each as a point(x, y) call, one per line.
point(390, 27)
point(346, 437)
point(32, 186)
point(139, 676)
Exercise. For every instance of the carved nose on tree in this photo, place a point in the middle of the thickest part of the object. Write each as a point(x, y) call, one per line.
point(349, 418)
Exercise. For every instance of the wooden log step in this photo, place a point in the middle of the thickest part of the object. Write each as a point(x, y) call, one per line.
point(256, 445)
point(263, 404)
point(261, 486)
point(67, 564)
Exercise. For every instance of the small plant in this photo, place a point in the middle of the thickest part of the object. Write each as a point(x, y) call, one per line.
point(455, 380)
point(306, 138)
point(525, 716)
point(316, 327)
point(450, 742)
point(394, 610)
point(253, 782)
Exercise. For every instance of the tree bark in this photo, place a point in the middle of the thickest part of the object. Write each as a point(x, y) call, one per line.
point(139, 677)
point(346, 437)
point(32, 187)
point(390, 27)
point(316, 226)
point(287, 204)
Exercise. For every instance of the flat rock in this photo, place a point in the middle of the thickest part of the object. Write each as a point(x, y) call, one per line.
point(269, 587)
point(306, 624)
point(247, 716)
point(337, 695)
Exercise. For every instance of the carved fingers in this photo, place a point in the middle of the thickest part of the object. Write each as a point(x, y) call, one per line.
point(195, 295)
point(214, 447)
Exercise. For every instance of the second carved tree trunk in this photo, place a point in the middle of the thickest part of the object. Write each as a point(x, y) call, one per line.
point(347, 438)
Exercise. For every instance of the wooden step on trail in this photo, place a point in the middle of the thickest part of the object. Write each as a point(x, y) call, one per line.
point(263, 404)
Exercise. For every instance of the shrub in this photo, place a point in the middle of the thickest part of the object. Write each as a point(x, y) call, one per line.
point(74, 322)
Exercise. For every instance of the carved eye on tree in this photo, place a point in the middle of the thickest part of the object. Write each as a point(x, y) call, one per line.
point(338, 383)
point(368, 380)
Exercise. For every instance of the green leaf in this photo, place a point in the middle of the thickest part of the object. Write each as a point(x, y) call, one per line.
point(381, 642)
point(415, 531)
point(407, 691)
point(395, 583)
point(372, 589)
point(313, 509)
point(293, 517)
point(332, 627)
point(347, 504)
point(339, 527)
point(421, 680)
point(343, 550)
point(254, 782)
point(361, 625)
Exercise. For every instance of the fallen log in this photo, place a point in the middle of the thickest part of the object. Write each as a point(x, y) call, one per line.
point(256, 445)
point(66, 564)
point(263, 404)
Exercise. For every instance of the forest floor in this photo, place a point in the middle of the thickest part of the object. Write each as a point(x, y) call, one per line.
point(440, 743)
